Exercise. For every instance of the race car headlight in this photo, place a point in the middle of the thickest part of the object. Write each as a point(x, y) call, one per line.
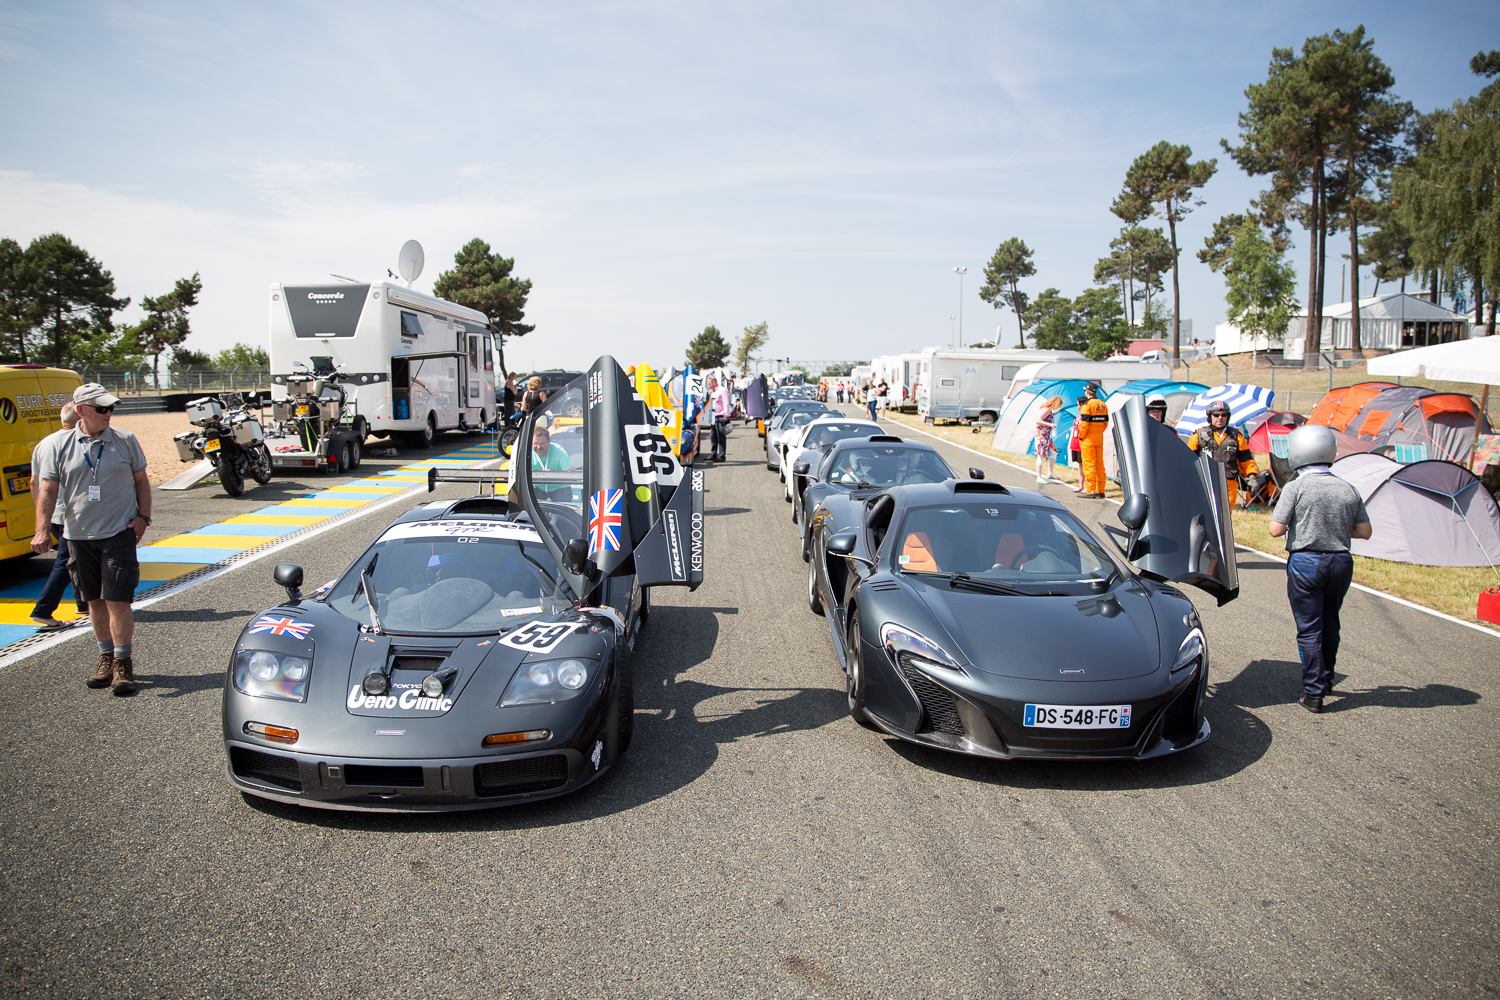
point(543, 682)
point(899, 641)
point(1193, 649)
point(261, 673)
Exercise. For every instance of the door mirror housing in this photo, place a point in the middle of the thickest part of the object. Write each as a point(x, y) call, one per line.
point(801, 468)
point(289, 576)
point(843, 543)
point(975, 473)
point(1133, 511)
point(575, 558)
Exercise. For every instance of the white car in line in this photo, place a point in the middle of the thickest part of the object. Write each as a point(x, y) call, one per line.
point(812, 438)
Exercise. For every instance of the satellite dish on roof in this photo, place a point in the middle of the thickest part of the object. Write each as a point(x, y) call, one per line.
point(410, 262)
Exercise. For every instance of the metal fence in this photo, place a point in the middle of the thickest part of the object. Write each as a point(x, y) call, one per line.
point(195, 379)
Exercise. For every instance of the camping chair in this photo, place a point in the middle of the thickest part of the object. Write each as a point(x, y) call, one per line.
point(1259, 489)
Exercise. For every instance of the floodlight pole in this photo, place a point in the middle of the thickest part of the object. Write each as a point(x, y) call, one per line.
point(961, 271)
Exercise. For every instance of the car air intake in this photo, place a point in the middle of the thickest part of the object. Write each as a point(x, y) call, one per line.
point(939, 713)
point(380, 776)
point(426, 664)
point(518, 777)
point(267, 768)
point(1177, 726)
point(978, 486)
point(889, 438)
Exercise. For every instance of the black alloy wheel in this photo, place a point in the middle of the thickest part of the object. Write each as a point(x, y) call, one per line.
point(229, 476)
point(624, 701)
point(814, 602)
point(508, 440)
point(855, 673)
point(260, 464)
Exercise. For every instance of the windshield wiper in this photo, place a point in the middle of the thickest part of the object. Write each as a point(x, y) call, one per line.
point(367, 585)
point(964, 580)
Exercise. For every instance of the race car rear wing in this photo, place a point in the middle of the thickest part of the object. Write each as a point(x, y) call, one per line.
point(608, 504)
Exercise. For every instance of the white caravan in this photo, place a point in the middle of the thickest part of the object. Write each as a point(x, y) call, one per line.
point(413, 364)
point(972, 383)
point(1110, 374)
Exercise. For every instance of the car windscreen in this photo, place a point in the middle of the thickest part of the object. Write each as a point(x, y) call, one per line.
point(453, 577)
point(1007, 543)
point(887, 465)
point(824, 435)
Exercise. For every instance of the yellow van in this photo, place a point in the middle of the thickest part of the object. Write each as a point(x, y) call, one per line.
point(30, 398)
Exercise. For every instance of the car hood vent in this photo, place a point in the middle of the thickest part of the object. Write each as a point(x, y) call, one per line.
point(979, 486)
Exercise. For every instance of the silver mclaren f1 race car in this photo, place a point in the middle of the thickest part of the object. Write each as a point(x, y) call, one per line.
point(478, 652)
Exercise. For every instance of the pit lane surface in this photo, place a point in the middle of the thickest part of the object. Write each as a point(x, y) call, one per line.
point(756, 842)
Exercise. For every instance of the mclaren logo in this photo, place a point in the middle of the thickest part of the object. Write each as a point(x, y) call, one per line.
point(1071, 670)
point(7, 409)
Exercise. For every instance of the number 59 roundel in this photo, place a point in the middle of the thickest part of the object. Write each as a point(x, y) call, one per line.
point(538, 637)
point(651, 458)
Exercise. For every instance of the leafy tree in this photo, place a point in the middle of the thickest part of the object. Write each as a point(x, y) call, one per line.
point(16, 307)
point(1308, 105)
point(117, 351)
point(1114, 270)
point(1050, 318)
point(242, 356)
point(1101, 324)
point(1165, 179)
point(752, 340)
point(184, 359)
point(482, 280)
point(1261, 285)
point(1216, 245)
point(1446, 194)
point(166, 323)
point(1011, 263)
point(70, 294)
point(708, 349)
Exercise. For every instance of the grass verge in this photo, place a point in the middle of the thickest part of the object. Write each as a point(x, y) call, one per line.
point(1453, 590)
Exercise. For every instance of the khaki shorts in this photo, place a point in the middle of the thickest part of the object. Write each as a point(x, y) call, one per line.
point(105, 568)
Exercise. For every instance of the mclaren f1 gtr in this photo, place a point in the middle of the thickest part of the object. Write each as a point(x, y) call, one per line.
point(478, 652)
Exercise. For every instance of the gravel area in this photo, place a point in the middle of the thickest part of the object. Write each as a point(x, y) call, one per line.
point(155, 431)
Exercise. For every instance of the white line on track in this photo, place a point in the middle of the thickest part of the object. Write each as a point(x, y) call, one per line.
point(172, 590)
point(1357, 586)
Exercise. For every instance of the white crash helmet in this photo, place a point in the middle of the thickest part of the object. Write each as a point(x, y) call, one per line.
point(1311, 444)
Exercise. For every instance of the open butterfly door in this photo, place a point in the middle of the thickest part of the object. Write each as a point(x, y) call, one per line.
point(1188, 536)
point(600, 482)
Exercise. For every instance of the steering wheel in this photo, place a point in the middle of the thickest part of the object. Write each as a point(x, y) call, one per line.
point(1028, 552)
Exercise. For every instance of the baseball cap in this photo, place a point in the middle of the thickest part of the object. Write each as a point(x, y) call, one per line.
point(94, 394)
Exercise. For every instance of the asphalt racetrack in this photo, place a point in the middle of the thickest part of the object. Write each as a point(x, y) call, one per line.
point(756, 842)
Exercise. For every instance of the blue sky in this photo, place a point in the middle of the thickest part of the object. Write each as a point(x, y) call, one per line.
point(652, 167)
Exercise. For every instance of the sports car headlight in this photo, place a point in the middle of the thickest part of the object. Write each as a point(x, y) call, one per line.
point(1193, 648)
point(898, 641)
point(544, 682)
point(261, 673)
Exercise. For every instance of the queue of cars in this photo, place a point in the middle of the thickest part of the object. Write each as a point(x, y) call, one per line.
point(990, 621)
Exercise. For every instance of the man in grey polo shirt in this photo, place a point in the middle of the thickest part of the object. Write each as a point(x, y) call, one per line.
point(1319, 514)
point(98, 474)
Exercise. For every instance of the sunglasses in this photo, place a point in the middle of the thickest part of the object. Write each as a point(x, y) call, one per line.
point(100, 409)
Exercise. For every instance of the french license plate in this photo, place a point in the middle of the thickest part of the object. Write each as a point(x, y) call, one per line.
point(1078, 716)
point(212, 444)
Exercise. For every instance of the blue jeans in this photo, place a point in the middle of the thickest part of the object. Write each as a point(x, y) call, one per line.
point(57, 584)
point(1316, 583)
point(870, 405)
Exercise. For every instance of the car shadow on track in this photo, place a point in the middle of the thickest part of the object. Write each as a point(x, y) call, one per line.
point(674, 743)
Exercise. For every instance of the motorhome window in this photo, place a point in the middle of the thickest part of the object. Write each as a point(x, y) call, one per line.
point(319, 311)
point(410, 325)
point(473, 353)
point(1008, 372)
point(949, 381)
point(489, 353)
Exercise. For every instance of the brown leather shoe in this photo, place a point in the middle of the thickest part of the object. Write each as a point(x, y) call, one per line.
point(124, 678)
point(104, 674)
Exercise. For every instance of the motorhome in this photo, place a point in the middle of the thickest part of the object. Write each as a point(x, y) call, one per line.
point(412, 364)
point(1110, 374)
point(955, 384)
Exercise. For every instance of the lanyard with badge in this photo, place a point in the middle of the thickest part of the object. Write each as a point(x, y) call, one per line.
point(94, 493)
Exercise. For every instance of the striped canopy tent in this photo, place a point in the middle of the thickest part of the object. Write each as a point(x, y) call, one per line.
point(1015, 431)
point(1177, 394)
point(1247, 403)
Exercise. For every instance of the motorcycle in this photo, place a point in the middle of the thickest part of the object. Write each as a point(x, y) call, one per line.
point(232, 440)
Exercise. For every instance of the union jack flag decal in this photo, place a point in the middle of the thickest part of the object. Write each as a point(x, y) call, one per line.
point(606, 513)
point(281, 626)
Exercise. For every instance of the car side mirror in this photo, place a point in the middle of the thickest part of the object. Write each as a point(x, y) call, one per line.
point(843, 543)
point(575, 558)
point(1132, 514)
point(801, 468)
point(289, 575)
point(975, 473)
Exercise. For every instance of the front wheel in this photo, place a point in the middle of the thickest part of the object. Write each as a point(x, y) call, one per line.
point(423, 438)
point(229, 476)
point(855, 674)
point(508, 440)
point(260, 464)
point(814, 602)
point(625, 704)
